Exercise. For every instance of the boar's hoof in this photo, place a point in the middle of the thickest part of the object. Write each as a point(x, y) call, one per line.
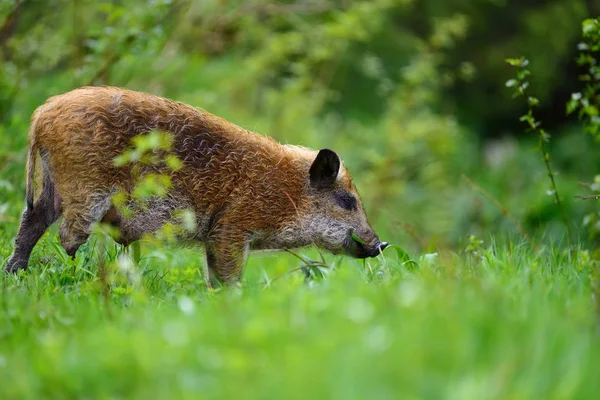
point(15, 264)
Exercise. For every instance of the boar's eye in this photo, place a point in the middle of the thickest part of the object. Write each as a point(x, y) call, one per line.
point(346, 201)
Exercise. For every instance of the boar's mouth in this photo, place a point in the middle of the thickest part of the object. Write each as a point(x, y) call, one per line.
point(359, 249)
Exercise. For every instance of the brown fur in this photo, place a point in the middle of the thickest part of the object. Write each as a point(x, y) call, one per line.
point(246, 190)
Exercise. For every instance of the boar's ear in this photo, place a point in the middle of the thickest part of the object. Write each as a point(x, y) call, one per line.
point(324, 170)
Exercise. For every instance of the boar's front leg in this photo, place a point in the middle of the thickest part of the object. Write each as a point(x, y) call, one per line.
point(226, 254)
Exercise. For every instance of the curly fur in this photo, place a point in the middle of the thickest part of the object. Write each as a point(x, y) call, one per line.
point(247, 190)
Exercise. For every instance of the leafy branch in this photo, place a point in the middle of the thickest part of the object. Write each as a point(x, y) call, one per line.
point(520, 85)
point(587, 102)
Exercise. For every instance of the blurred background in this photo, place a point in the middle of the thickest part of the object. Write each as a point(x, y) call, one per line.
point(411, 93)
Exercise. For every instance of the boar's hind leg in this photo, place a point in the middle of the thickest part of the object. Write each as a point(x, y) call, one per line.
point(34, 222)
point(72, 235)
point(77, 222)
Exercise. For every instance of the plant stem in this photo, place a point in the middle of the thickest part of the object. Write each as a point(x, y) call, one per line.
point(554, 188)
point(521, 85)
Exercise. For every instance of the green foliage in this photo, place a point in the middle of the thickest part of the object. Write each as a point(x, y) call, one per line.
point(151, 163)
point(380, 82)
point(587, 103)
point(149, 149)
point(404, 91)
point(87, 38)
point(521, 84)
point(508, 323)
point(592, 220)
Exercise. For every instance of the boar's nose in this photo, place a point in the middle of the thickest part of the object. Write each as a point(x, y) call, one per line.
point(376, 250)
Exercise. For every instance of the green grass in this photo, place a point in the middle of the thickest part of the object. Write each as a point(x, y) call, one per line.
point(504, 322)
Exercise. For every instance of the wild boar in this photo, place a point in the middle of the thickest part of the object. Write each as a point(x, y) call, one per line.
point(246, 190)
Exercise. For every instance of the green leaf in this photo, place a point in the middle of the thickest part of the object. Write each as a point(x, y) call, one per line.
point(588, 26)
point(532, 101)
point(515, 62)
point(121, 159)
point(403, 256)
point(522, 74)
point(591, 110)
point(173, 162)
point(356, 238)
point(572, 106)
point(523, 86)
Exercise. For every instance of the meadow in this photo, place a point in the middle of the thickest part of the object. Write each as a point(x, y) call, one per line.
point(498, 322)
point(485, 293)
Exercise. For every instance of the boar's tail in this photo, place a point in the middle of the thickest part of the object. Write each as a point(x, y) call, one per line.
point(30, 176)
point(31, 160)
point(47, 190)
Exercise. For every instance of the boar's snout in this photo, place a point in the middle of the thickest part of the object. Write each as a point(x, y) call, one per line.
point(371, 248)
